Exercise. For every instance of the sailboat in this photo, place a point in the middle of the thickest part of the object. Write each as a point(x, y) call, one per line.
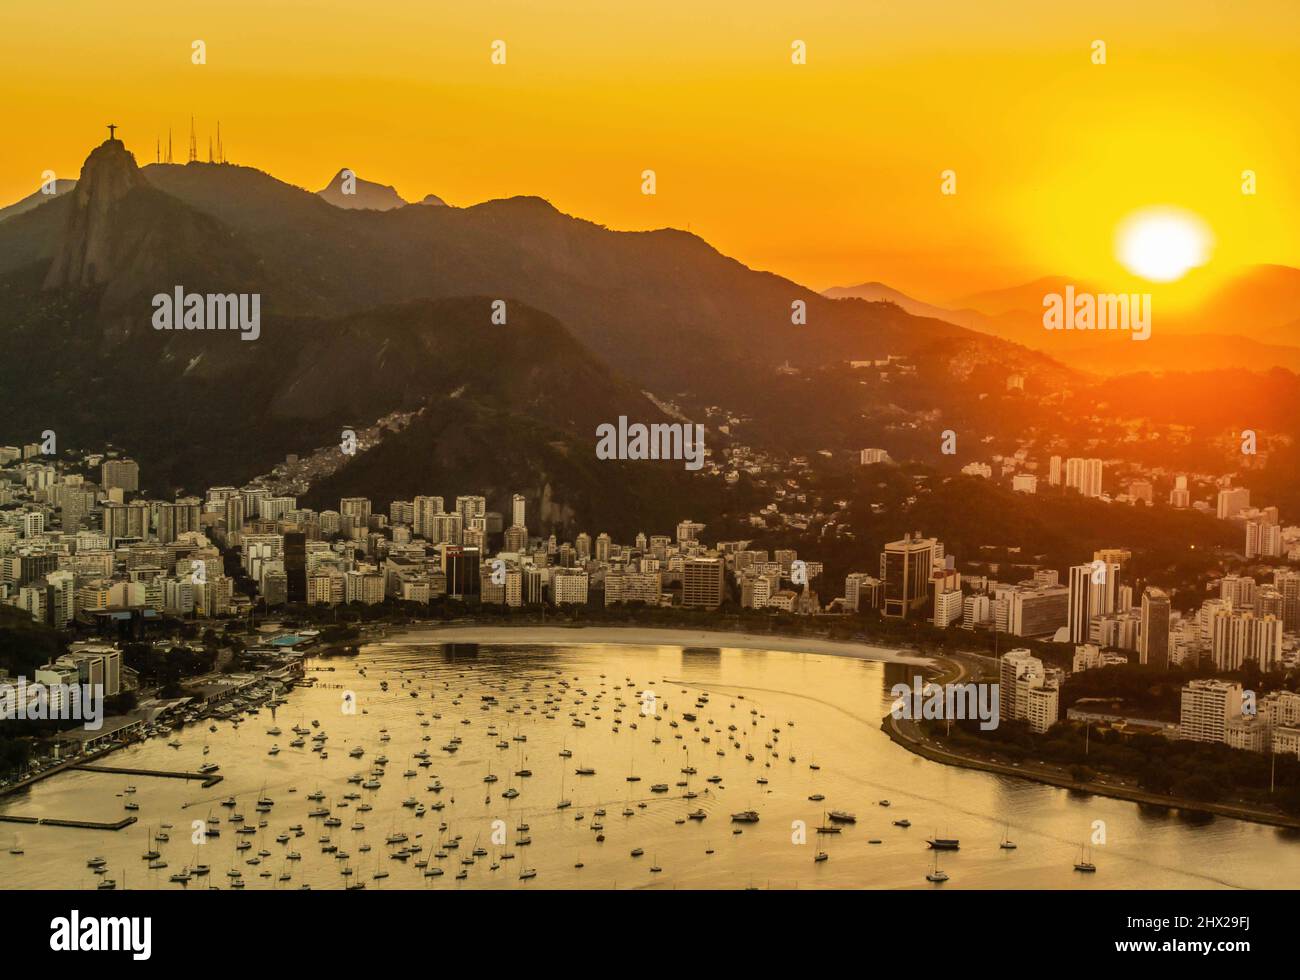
point(938, 843)
point(523, 771)
point(828, 828)
point(936, 874)
point(1085, 860)
point(1007, 843)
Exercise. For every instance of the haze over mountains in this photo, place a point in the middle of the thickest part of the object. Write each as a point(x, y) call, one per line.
point(36, 199)
point(372, 306)
point(1251, 321)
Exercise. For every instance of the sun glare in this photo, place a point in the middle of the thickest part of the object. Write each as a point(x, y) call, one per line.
point(1162, 244)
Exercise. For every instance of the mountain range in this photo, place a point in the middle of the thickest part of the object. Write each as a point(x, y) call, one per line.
point(371, 305)
point(1252, 321)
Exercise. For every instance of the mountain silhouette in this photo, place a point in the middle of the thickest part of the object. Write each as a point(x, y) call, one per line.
point(371, 311)
point(60, 187)
point(347, 190)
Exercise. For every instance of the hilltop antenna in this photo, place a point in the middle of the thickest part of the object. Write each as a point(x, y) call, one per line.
point(194, 145)
point(209, 149)
point(221, 156)
point(169, 144)
point(157, 151)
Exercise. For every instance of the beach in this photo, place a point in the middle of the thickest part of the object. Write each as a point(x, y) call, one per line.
point(638, 636)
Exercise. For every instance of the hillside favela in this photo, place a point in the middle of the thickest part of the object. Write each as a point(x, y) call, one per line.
point(557, 451)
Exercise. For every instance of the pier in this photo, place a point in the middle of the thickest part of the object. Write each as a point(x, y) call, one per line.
point(208, 779)
point(81, 824)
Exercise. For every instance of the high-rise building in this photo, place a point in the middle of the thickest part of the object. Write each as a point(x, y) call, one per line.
point(687, 530)
point(1207, 708)
point(905, 570)
point(1153, 640)
point(358, 507)
point(518, 511)
point(569, 587)
point(295, 566)
point(1263, 539)
point(1031, 611)
point(1014, 667)
point(516, 540)
point(514, 587)
point(630, 586)
point(1054, 471)
point(365, 586)
point(492, 592)
point(425, 509)
point(1094, 591)
point(1238, 591)
point(975, 609)
point(1236, 637)
point(234, 518)
point(274, 587)
point(702, 582)
point(470, 507)
point(1231, 502)
point(175, 519)
point(447, 528)
point(1084, 475)
point(61, 598)
point(123, 474)
point(1027, 691)
point(947, 607)
point(401, 512)
point(461, 566)
point(1287, 582)
point(862, 591)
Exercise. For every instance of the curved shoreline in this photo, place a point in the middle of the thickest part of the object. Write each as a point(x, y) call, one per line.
point(905, 734)
point(655, 637)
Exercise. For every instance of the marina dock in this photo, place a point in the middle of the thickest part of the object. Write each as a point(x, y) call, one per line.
point(82, 824)
point(208, 779)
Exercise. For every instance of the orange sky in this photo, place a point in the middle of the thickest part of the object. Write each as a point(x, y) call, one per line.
point(827, 172)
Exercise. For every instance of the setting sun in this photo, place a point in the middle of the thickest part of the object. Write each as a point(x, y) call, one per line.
point(1163, 244)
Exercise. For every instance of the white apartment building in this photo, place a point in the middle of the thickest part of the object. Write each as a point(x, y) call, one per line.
point(1207, 707)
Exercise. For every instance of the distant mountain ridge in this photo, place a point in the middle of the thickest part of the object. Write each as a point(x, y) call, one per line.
point(347, 190)
point(1249, 322)
point(37, 198)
